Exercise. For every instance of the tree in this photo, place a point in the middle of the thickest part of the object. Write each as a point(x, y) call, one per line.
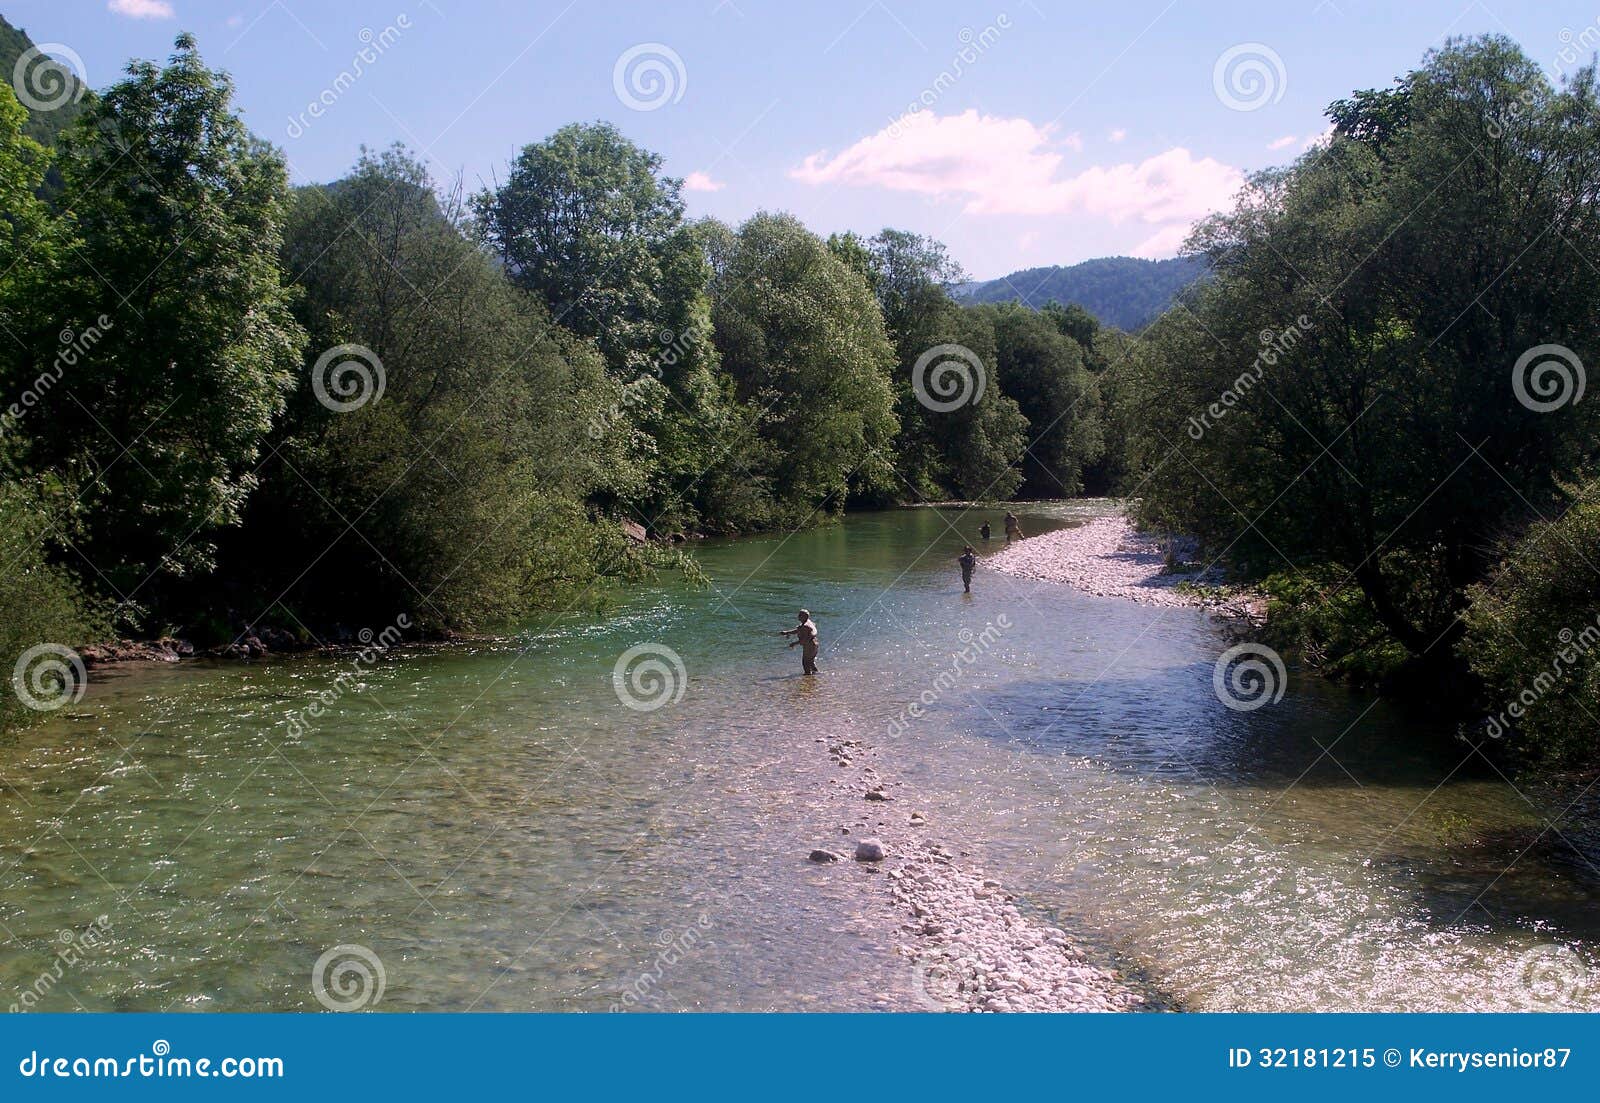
point(446, 479)
point(1352, 386)
point(27, 229)
point(586, 221)
point(176, 218)
point(800, 334)
point(1042, 370)
point(1533, 636)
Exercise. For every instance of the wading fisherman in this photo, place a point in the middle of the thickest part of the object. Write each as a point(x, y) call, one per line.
point(968, 561)
point(984, 531)
point(805, 634)
point(1013, 527)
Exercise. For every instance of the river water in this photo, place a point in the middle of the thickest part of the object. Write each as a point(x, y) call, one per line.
point(500, 830)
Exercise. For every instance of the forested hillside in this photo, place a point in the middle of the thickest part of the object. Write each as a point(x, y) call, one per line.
point(1125, 292)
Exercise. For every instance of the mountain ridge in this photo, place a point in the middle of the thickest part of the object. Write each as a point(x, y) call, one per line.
point(1126, 292)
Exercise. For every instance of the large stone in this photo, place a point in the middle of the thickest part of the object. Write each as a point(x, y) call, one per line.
point(869, 850)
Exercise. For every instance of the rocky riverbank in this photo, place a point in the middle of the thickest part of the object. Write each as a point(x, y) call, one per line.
point(966, 944)
point(1108, 557)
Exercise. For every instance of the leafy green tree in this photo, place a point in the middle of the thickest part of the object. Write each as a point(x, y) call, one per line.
point(587, 221)
point(446, 479)
point(1343, 390)
point(176, 219)
point(28, 237)
point(801, 335)
point(1042, 370)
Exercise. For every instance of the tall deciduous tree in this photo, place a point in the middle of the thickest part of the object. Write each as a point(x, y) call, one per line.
point(800, 333)
point(176, 217)
point(587, 221)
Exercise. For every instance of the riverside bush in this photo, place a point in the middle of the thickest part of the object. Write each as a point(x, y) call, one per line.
point(1532, 635)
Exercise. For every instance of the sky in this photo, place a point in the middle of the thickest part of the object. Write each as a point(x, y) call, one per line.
point(1021, 133)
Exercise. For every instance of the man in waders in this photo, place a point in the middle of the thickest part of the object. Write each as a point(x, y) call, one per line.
point(805, 634)
point(968, 561)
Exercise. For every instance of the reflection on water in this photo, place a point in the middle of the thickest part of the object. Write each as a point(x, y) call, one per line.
point(504, 834)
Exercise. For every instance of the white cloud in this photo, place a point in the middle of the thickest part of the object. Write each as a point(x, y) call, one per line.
point(1282, 143)
point(1163, 243)
point(141, 9)
point(1116, 135)
point(700, 181)
point(1009, 166)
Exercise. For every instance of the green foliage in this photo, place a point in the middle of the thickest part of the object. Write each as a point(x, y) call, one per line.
point(39, 602)
point(586, 221)
point(55, 85)
point(1533, 636)
point(29, 235)
point(175, 220)
point(1341, 391)
point(1041, 367)
point(801, 336)
point(1324, 620)
point(456, 496)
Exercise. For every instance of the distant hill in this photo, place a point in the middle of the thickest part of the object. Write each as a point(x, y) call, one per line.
point(1125, 292)
point(43, 126)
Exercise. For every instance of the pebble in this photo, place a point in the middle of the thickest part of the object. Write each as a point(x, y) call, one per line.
point(824, 856)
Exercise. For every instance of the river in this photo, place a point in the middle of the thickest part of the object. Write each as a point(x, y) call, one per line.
point(501, 831)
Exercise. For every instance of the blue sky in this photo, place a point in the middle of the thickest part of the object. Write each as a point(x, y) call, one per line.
point(1046, 133)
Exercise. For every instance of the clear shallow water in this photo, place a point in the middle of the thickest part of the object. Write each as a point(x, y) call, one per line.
point(504, 834)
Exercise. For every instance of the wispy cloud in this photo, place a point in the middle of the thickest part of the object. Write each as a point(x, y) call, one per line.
point(700, 181)
point(1116, 135)
point(142, 9)
point(1282, 143)
point(1009, 166)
